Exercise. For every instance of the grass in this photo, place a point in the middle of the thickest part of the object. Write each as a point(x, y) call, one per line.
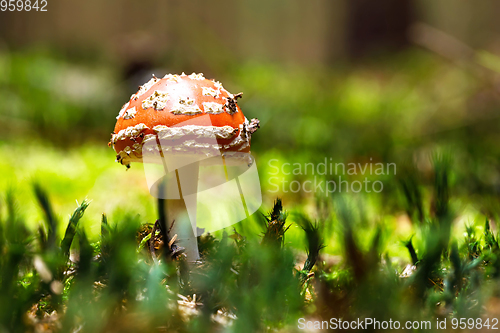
point(75, 174)
point(244, 284)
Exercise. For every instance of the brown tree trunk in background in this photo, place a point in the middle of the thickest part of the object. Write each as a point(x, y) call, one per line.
point(380, 25)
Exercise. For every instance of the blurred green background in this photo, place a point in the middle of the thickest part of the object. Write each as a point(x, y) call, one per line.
point(394, 81)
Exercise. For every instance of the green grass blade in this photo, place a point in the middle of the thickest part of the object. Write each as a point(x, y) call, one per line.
point(72, 225)
point(44, 202)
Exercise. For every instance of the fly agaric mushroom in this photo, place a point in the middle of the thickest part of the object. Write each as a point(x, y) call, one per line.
point(191, 119)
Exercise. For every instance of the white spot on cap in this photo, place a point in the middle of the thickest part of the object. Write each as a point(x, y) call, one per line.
point(172, 77)
point(186, 106)
point(186, 101)
point(207, 91)
point(129, 132)
point(218, 85)
point(243, 139)
point(123, 109)
point(213, 108)
point(195, 76)
point(145, 87)
point(158, 101)
point(130, 113)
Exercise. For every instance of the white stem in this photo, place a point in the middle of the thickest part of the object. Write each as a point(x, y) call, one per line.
point(183, 211)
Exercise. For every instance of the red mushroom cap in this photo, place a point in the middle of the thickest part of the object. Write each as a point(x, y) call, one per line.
point(176, 108)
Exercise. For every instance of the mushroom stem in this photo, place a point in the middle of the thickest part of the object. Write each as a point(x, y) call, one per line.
point(183, 211)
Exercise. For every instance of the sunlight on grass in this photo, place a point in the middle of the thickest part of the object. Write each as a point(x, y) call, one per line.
point(88, 172)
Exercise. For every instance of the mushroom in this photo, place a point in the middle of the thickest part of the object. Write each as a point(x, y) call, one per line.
point(182, 122)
